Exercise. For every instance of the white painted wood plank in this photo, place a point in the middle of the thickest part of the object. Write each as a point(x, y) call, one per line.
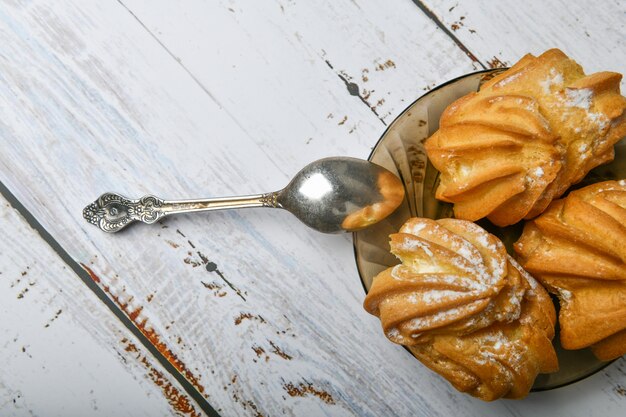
point(64, 353)
point(181, 41)
point(594, 34)
point(114, 111)
point(104, 109)
point(268, 64)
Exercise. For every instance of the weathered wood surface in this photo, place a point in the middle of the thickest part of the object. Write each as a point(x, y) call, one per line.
point(496, 34)
point(220, 98)
point(63, 353)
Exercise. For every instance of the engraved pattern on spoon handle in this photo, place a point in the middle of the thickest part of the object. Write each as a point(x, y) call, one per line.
point(112, 212)
point(270, 199)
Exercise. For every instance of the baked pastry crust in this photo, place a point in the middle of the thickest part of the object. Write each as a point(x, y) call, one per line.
point(530, 133)
point(465, 308)
point(577, 250)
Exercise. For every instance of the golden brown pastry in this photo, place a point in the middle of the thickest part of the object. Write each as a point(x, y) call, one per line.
point(525, 137)
point(577, 249)
point(465, 308)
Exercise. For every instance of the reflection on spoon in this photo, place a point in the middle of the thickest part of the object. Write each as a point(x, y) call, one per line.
point(316, 187)
point(390, 187)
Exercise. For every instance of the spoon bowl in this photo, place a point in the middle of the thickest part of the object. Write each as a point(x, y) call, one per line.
point(335, 195)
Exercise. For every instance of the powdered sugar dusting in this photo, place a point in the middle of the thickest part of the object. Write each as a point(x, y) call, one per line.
point(463, 298)
point(410, 244)
point(482, 240)
point(432, 297)
point(578, 97)
point(582, 98)
point(437, 318)
point(393, 334)
point(465, 251)
point(413, 299)
point(529, 278)
point(403, 273)
point(497, 348)
point(507, 80)
point(555, 79)
point(493, 271)
point(598, 119)
point(583, 151)
point(415, 228)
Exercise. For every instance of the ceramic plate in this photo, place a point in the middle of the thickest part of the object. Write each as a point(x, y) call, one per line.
point(400, 149)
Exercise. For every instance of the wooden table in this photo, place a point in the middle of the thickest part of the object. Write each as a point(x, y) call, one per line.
point(244, 312)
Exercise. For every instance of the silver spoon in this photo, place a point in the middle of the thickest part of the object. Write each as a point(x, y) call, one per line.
point(331, 195)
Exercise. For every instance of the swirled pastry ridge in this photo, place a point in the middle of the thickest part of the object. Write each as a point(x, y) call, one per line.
point(465, 308)
point(577, 249)
point(531, 132)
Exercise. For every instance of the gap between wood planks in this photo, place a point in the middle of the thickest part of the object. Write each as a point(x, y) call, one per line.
point(353, 89)
point(99, 292)
point(84, 276)
point(432, 16)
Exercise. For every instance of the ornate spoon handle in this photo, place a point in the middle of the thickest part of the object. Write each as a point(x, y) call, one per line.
point(112, 212)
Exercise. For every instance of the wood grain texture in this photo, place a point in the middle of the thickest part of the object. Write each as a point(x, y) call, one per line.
point(111, 110)
point(222, 98)
point(501, 33)
point(63, 353)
